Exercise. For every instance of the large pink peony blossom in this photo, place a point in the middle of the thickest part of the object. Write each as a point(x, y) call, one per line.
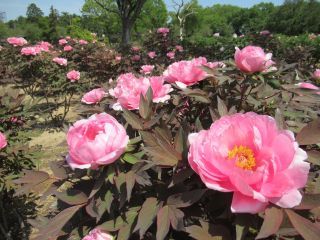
point(73, 75)
point(316, 74)
point(129, 88)
point(17, 41)
point(152, 55)
point(97, 234)
point(147, 69)
point(249, 155)
point(94, 96)
point(3, 140)
point(63, 42)
point(28, 51)
point(67, 48)
point(186, 73)
point(98, 140)
point(253, 59)
point(44, 46)
point(83, 42)
point(60, 61)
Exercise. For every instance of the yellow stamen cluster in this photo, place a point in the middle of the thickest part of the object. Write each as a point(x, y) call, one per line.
point(244, 157)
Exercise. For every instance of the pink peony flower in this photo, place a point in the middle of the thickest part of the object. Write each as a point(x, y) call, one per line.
point(129, 88)
point(171, 55)
point(73, 75)
point(63, 42)
point(118, 58)
point(97, 234)
point(307, 85)
point(17, 41)
point(164, 31)
point(152, 55)
point(27, 51)
point(136, 58)
point(146, 69)
point(60, 61)
point(265, 33)
point(186, 73)
point(215, 65)
point(3, 140)
point(83, 42)
point(44, 46)
point(135, 49)
point(94, 96)
point(249, 155)
point(253, 59)
point(179, 48)
point(67, 48)
point(316, 74)
point(98, 140)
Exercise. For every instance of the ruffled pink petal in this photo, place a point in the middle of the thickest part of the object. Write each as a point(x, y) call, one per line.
point(244, 204)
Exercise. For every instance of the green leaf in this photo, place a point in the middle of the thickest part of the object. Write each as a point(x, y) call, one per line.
point(163, 222)
point(132, 119)
point(72, 197)
point(130, 181)
point(98, 184)
point(58, 170)
point(201, 232)
point(130, 158)
point(310, 134)
point(145, 104)
point(272, 222)
point(186, 199)
point(146, 216)
point(180, 141)
point(305, 228)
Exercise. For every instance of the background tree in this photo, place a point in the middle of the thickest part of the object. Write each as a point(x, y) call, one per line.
point(34, 12)
point(52, 33)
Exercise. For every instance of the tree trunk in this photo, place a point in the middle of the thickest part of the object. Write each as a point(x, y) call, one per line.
point(126, 32)
point(181, 26)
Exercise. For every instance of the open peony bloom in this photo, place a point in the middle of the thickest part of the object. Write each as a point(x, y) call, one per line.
point(316, 74)
point(28, 51)
point(60, 61)
point(146, 69)
point(98, 140)
point(152, 55)
point(83, 42)
point(17, 41)
point(44, 46)
point(118, 58)
point(97, 234)
point(63, 42)
point(67, 48)
point(186, 73)
point(164, 31)
point(129, 88)
point(253, 59)
point(3, 140)
point(171, 55)
point(73, 75)
point(94, 96)
point(249, 155)
point(135, 49)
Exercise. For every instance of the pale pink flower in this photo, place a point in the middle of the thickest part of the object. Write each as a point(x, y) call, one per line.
point(215, 65)
point(63, 42)
point(152, 55)
point(265, 33)
point(83, 42)
point(94, 96)
point(253, 59)
point(129, 88)
point(247, 154)
point(171, 55)
point(118, 58)
point(60, 61)
point(73, 75)
point(307, 85)
point(98, 140)
point(147, 69)
point(3, 141)
point(316, 74)
point(186, 73)
point(28, 51)
point(179, 48)
point(97, 234)
point(163, 31)
point(67, 48)
point(136, 58)
point(17, 41)
point(135, 49)
point(44, 46)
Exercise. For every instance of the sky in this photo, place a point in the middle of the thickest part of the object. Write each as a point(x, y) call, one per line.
point(15, 8)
